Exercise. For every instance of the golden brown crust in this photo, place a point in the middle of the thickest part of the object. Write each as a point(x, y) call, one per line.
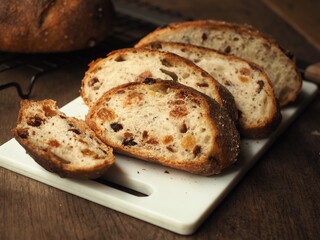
point(209, 24)
point(222, 155)
point(241, 29)
point(263, 128)
point(50, 161)
point(53, 25)
point(224, 97)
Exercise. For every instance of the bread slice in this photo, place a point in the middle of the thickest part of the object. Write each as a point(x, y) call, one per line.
point(130, 65)
point(240, 40)
point(247, 82)
point(61, 144)
point(167, 123)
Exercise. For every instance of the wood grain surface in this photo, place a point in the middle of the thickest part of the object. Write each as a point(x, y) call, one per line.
point(301, 15)
point(277, 199)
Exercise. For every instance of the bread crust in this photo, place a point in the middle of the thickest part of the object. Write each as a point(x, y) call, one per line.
point(224, 97)
point(50, 161)
point(266, 125)
point(32, 26)
point(284, 96)
point(223, 154)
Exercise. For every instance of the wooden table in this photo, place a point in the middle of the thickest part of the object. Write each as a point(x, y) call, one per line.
point(277, 199)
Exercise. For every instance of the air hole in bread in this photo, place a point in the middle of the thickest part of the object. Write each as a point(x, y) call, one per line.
point(149, 80)
point(121, 92)
point(156, 45)
point(120, 58)
point(165, 62)
point(172, 75)
point(76, 131)
point(202, 84)
point(93, 81)
point(129, 142)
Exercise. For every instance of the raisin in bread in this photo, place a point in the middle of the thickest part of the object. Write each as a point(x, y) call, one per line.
point(130, 65)
point(61, 144)
point(167, 123)
point(240, 40)
point(247, 82)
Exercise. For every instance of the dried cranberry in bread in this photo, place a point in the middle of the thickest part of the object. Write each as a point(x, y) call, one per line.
point(167, 123)
point(61, 144)
point(131, 64)
point(247, 82)
point(240, 40)
point(40, 26)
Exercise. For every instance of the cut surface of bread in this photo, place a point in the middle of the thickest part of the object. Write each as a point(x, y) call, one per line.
point(135, 65)
point(61, 144)
point(247, 82)
point(240, 40)
point(167, 123)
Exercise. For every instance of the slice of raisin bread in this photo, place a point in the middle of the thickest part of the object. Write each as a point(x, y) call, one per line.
point(167, 123)
point(240, 40)
point(130, 65)
point(61, 144)
point(248, 83)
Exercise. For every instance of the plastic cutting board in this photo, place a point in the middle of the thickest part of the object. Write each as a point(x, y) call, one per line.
point(171, 199)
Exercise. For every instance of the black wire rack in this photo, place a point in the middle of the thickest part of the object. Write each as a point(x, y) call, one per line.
point(134, 19)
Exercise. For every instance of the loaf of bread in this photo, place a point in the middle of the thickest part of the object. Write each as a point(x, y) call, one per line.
point(167, 123)
point(38, 26)
point(248, 83)
point(61, 144)
point(130, 65)
point(240, 40)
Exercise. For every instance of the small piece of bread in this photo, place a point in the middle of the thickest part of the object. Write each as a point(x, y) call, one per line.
point(61, 144)
point(135, 65)
point(247, 82)
point(167, 123)
point(240, 40)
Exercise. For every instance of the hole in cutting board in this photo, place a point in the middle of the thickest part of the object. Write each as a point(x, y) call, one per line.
point(121, 188)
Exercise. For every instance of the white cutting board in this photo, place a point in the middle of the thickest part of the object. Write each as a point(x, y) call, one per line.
point(173, 199)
